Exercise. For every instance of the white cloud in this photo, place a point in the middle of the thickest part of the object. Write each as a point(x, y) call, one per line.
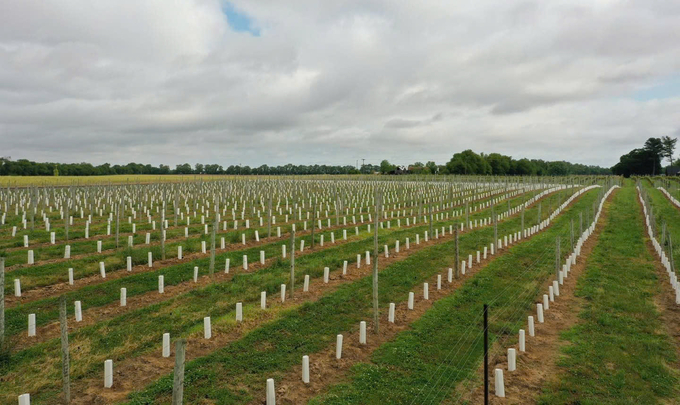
point(331, 82)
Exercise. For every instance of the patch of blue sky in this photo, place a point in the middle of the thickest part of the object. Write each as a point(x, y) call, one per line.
point(240, 21)
point(667, 88)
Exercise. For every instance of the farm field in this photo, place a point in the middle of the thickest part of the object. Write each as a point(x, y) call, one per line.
point(338, 290)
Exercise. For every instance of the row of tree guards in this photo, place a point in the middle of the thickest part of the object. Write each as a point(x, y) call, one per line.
point(384, 194)
point(562, 272)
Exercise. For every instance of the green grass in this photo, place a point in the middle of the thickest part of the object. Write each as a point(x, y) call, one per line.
point(618, 352)
point(99, 227)
point(135, 332)
point(665, 212)
point(236, 373)
point(136, 283)
point(139, 330)
point(44, 274)
point(445, 346)
point(139, 283)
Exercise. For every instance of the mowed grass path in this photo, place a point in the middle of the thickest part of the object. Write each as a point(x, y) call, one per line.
point(618, 353)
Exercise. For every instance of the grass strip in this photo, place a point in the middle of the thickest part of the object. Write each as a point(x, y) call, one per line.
point(618, 353)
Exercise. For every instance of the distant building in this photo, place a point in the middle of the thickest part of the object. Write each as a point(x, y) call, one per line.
point(399, 170)
point(673, 171)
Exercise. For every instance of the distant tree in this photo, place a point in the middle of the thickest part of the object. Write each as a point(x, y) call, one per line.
point(500, 164)
point(468, 162)
point(524, 167)
point(386, 167)
point(655, 146)
point(638, 162)
point(668, 147)
point(465, 162)
point(213, 169)
point(417, 168)
point(264, 169)
point(183, 169)
point(369, 169)
point(558, 168)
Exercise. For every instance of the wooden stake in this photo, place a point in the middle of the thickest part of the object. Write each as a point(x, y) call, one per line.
point(117, 223)
point(313, 223)
point(670, 255)
point(269, 215)
point(211, 269)
point(557, 257)
point(457, 261)
point(376, 314)
point(65, 358)
point(2, 300)
point(178, 382)
point(292, 262)
point(162, 235)
point(571, 230)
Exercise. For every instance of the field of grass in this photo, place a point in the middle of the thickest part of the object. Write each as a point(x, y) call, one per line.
point(619, 352)
point(432, 360)
point(444, 347)
point(246, 364)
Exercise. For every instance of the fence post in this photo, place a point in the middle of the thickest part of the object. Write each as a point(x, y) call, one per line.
point(557, 257)
point(211, 267)
point(178, 382)
point(65, 358)
point(486, 354)
point(571, 233)
point(292, 262)
point(457, 261)
point(376, 319)
point(2, 300)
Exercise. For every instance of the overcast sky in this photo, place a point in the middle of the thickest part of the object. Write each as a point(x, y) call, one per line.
point(314, 82)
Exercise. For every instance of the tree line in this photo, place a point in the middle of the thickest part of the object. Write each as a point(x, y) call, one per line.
point(647, 160)
point(24, 167)
point(466, 162)
point(469, 162)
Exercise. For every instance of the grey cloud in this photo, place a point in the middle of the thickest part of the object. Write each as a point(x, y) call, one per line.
point(333, 81)
point(402, 123)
